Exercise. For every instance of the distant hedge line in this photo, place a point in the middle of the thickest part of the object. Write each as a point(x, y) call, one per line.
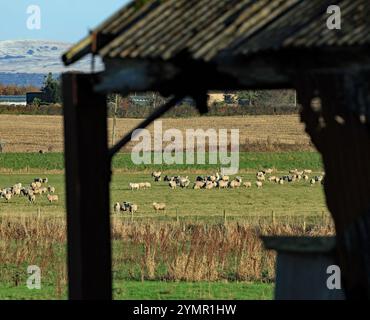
point(135, 111)
point(51, 110)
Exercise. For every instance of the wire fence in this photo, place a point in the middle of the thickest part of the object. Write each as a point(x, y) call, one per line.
point(318, 217)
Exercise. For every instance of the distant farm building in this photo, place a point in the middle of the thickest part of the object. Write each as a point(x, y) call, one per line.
point(141, 100)
point(31, 96)
point(221, 97)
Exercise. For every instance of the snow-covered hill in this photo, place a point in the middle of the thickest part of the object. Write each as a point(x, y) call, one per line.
point(36, 56)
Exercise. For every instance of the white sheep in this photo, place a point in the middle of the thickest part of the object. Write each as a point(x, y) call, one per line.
point(172, 185)
point(159, 206)
point(52, 198)
point(222, 184)
point(199, 185)
point(133, 208)
point(247, 184)
point(234, 184)
point(312, 181)
point(259, 184)
point(134, 186)
point(117, 207)
point(31, 198)
point(209, 185)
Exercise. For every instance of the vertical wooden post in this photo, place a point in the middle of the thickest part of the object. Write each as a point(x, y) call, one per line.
point(87, 188)
point(114, 121)
point(225, 219)
point(177, 216)
point(273, 217)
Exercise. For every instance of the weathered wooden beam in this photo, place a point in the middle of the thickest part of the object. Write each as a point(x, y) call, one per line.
point(336, 112)
point(87, 188)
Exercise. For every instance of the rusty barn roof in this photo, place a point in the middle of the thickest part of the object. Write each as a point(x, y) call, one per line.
point(161, 29)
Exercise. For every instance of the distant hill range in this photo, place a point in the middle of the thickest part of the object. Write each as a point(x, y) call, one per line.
point(22, 79)
point(25, 62)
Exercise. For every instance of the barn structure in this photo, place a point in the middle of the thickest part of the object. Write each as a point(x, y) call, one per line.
point(190, 47)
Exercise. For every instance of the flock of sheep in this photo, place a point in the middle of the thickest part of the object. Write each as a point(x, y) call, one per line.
point(218, 181)
point(224, 181)
point(38, 187)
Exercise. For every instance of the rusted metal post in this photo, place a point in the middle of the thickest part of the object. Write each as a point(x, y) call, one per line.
point(87, 174)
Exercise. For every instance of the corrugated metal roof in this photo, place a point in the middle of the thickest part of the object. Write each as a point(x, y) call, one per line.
point(207, 28)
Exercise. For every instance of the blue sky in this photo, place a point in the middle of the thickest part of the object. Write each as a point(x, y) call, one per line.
point(61, 20)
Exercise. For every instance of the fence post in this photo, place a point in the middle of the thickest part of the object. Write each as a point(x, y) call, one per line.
point(225, 216)
point(273, 217)
point(323, 217)
point(177, 216)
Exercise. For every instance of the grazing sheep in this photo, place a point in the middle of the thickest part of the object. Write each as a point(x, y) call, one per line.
point(222, 184)
point(277, 179)
point(52, 198)
point(16, 191)
point(157, 175)
point(272, 178)
point(51, 189)
point(134, 186)
point(312, 181)
point(172, 185)
point(281, 181)
point(234, 184)
point(199, 184)
point(117, 207)
point(8, 196)
point(269, 171)
point(37, 191)
point(305, 177)
point(183, 182)
point(209, 185)
point(307, 171)
point(247, 184)
point(159, 206)
point(148, 185)
point(225, 178)
point(45, 180)
point(31, 198)
point(259, 184)
point(261, 178)
point(37, 180)
point(125, 206)
point(133, 208)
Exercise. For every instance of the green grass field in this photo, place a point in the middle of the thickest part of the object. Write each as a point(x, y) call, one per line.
point(290, 203)
point(248, 161)
point(156, 290)
point(287, 200)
